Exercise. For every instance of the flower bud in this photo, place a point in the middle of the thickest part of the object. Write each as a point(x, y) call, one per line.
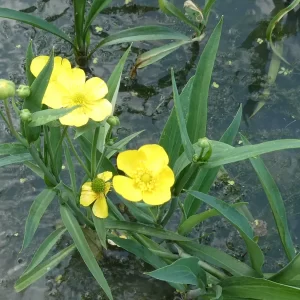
point(203, 143)
point(110, 142)
point(113, 121)
point(7, 89)
point(23, 91)
point(25, 115)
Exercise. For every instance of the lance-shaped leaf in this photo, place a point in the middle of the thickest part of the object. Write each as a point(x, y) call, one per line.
point(15, 159)
point(12, 148)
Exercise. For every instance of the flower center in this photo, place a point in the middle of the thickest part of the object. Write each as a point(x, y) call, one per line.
point(98, 185)
point(144, 180)
point(78, 99)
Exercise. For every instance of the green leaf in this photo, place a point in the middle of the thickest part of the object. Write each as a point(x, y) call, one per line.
point(115, 77)
point(30, 277)
point(207, 9)
point(290, 274)
point(33, 21)
point(143, 253)
point(34, 168)
point(205, 178)
point(45, 116)
point(231, 155)
point(218, 258)
point(15, 159)
point(122, 143)
point(156, 54)
point(56, 145)
point(82, 246)
point(96, 8)
point(170, 138)
point(182, 271)
point(79, 11)
point(240, 222)
point(12, 148)
point(257, 288)
point(101, 230)
point(85, 129)
point(144, 229)
point(70, 167)
point(171, 9)
point(189, 224)
point(275, 21)
point(185, 140)
point(29, 57)
point(37, 210)
point(141, 33)
point(197, 118)
point(45, 247)
point(276, 202)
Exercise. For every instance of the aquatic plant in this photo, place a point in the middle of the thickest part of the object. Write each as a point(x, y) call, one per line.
point(177, 173)
point(84, 17)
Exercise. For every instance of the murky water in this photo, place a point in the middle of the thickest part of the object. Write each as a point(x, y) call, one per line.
point(144, 103)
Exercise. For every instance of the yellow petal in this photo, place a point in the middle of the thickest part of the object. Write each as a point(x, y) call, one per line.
point(99, 110)
point(95, 89)
point(159, 196)
point(37, 64)
point(166, 177)
point(125, 187)
point(100, 208)
point(105, 176)
point(129, 161)
point(107, 187)
point(72, 79)
point(87, 197)
point(75, 118)
point(156, 157)
point(87, 186)
point(54, 95)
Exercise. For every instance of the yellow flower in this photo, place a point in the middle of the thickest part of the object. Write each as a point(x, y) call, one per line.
point(149, 177)
point(39, 62)
point(96, 191)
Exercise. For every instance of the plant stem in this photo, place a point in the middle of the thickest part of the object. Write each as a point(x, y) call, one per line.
point(78, 158)
point(11, 124)
point(101, 160)
point(211, 270)
point(52, 157)
point(4, 119)
point(16, 109)
point(94, 152)
point(61, 140)
point(170, 211)
point(40, 163)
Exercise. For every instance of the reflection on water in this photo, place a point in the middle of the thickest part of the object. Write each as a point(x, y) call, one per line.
point(145, 102)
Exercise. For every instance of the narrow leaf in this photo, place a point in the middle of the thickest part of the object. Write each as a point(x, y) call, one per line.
point(240, 222)
point(144, 229)
point(70, 167)
point(187, 145)
point(15, 159)
point(290, 274)
point(45, 247)
point(218, 258)
point(82, 246)
point(29, 57)
point(205, 178)
point(37, 210)
point(197, 118)
point(101, 230)
point(45, 116)
point(276, 202)
point(257, 288)
point(12, 148)
point(79, 11)
point(141, 33)
point(43, 268)
point(33, 21)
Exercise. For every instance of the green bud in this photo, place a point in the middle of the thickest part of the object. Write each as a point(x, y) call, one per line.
point(7, 89)
point(110, 142)
point(23, 91)
point(203, 143)
point(113, 121)
point(195, 158)
point(25, 115)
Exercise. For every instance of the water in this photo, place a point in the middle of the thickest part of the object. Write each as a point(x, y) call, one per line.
point(144, 103)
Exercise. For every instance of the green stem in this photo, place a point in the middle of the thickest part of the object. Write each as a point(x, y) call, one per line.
point(100, 160)
point(170, 211)
point(94, 152)
point(40, 163)
point(4, 119)
point(11, 125)
point(190, 172)
point(61, 139)
point(49, 147)
point(78, 158)
point(16, 109)
point(211, 270)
